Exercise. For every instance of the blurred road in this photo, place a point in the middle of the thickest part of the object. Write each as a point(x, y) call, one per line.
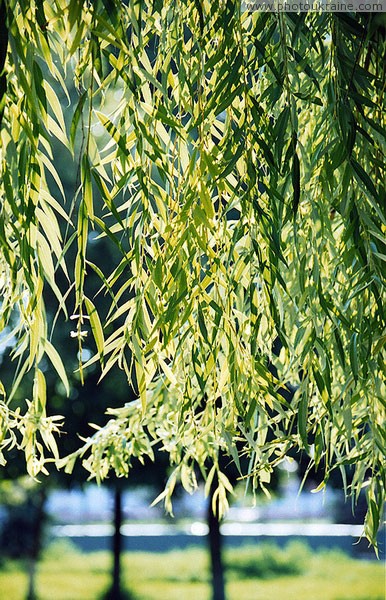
point(149, 537)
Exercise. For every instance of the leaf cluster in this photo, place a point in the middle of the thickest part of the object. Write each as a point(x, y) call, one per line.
point(235, 162)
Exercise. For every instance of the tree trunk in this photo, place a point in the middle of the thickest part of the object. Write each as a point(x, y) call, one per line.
point(31, 573)
point(37, 506)
point(215, 547)
point(117, 545)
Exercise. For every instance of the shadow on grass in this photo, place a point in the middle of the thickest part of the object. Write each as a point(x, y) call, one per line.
point(111, 594)
point(188, 578)
point(267, 562)
point(365, 598)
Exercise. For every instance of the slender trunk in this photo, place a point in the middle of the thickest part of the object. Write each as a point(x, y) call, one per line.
point(117, 544)
point(215, 547)
point(31, 571)
point(36, 543)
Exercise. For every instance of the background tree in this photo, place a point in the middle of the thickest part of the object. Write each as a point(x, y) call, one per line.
point(235, 160)
point(22, 535)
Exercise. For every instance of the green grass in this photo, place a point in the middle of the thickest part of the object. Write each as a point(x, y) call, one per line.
point(258, 572)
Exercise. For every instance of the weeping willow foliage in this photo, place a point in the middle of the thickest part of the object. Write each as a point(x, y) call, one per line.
point(236, 162)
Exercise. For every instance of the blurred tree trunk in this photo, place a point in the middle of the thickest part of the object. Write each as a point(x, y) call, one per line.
point(215, 548)
point(37, 508)
point(117, 544)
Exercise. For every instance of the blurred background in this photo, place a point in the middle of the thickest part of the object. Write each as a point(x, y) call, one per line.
point(88, 542)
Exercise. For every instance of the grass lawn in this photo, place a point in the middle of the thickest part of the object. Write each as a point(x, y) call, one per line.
point(254, 573)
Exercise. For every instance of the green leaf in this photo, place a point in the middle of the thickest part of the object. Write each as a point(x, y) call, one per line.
point(96, 327)
point(302, 419)
point(87, 187)
point(75, 119)
point(295, 184)
point(57, 363)
point(354, 355)
point(364, 178)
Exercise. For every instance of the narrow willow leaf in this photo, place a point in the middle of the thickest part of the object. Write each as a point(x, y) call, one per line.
point(75, 119)
point(354, 354)
point(295, 183)
point(364, 178)
point(57, 363)
point(96, 327)
point(40, 392)
point(87, 187)
point(302, 419)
